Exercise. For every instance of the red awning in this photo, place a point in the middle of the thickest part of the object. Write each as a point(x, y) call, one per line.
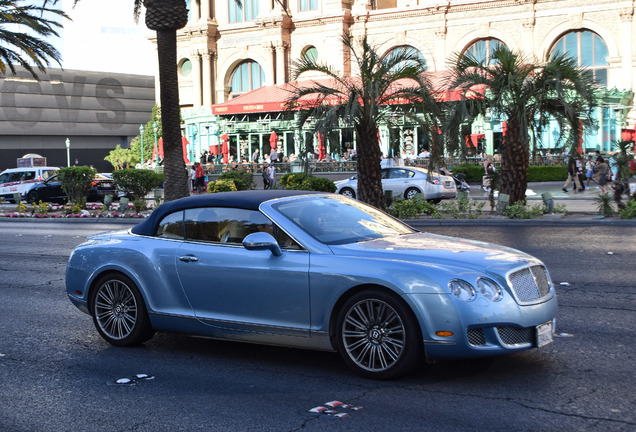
point(628, 134)
point(273, 98)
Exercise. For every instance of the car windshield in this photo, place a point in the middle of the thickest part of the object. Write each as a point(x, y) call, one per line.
point(339, 220)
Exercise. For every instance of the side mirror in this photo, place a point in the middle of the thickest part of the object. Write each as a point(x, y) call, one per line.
point(262, 241)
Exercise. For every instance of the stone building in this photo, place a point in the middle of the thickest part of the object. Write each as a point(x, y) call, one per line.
point(226, 52)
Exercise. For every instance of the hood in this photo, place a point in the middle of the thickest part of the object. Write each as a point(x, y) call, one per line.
point(440, 250)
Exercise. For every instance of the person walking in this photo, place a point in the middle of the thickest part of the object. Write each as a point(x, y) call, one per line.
point(193, 176)
point(271, 171)
point(589, 170)
point(572, 175)
point(256, 156)
point(603, 170)
point(265, 175)
point(199, 178)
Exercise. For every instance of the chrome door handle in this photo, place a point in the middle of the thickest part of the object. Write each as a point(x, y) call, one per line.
point(188, 259)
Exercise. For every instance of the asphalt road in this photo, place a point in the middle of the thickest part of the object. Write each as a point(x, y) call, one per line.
point(57, 374)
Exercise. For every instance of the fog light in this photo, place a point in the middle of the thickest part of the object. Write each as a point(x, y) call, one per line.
point(444, 333)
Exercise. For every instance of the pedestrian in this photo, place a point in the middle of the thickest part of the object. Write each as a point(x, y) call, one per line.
point(589, 170)
point(193, 177)
point(489, 169)
point(273, 156)
point(199, 178)
point(256, 156)
point(603, 169)
point(573, 175)
point(265, 175)
point(271, 171)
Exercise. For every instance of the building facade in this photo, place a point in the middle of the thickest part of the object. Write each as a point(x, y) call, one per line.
point(227, 51)
point(91, 112)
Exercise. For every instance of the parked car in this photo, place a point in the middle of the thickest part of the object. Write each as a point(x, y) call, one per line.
point(51, 190)
point(406, 182)
point(20, 180)
point(311, 270)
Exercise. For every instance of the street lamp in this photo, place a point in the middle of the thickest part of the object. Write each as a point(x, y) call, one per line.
point(68, 152)
point(155, 128)
point(141, 136)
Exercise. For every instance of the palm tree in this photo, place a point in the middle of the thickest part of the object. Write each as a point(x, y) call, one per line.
point(362, 102)
point(166, 17)
point(22, 32)
point(527, 96)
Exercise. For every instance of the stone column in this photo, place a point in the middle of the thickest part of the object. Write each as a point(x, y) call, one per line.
point(205, 9)
point(281, 62)
point(195, 58)
point(627, 16)
point(207, 77)
point(271, 78)
point(195, 10)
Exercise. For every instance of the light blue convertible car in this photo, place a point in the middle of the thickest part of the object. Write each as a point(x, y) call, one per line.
point(311, 270)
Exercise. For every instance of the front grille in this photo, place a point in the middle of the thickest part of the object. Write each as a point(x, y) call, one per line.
point(516, 335)
point(530, 283)
point(475, 336)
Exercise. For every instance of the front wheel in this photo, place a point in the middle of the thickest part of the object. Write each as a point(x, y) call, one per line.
point(348, 192)
point(411, 192)
point(118, 311)
point(32, 197)
point(377, 335)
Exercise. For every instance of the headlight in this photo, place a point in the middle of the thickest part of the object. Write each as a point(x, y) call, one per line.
point(489, 289)
point(462, 290)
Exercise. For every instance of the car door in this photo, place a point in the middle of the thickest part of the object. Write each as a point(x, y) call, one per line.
point(237, 290)
point(397, 180)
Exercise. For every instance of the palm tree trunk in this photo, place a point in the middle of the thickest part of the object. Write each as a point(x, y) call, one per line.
point(166, 17)
point(175, 175)
point(515, 159)
point(369, 157)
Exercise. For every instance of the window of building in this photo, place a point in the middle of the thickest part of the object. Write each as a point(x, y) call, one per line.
point(311, 53)
point(589, 50)
point(306, 5)
point(407, 50)
point(185, 68)
point(247, 76)
point(247, 10)
point(482, 50)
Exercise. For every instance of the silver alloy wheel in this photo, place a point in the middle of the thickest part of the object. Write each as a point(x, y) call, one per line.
point(116, 309)
point(373, 335)
point(410, 193)
point(348, 193)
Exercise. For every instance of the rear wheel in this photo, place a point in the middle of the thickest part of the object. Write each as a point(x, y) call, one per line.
point(348, 192)
point(377, 335)
point(118, 311)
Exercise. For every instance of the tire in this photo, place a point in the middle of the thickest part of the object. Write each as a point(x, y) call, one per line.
point(33, 197)
point(348, 192)
point(119, 312)
point(411, 192)
point(377, 335)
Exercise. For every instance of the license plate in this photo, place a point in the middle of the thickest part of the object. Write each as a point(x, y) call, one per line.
point(107, 185)
point(544, 334)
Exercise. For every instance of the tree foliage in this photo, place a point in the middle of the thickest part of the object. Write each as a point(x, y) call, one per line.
point(527, 96)
point(76, 182)
point(137, 182)
point(24, 26)
point(364, 101)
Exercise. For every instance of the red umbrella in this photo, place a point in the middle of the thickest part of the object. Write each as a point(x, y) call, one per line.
point(321, 146)
point(273, 140)
point(184, 145)
point(224, 147)
point(214, 149)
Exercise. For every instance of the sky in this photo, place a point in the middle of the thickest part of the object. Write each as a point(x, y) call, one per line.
point(103, 36)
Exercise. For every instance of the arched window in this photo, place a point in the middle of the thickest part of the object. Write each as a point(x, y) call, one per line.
point(311, 53)
point(185, 68)
point(247, 76)
point(588, 49)
point(247, 10)
point(408, 50)
point(482, 49)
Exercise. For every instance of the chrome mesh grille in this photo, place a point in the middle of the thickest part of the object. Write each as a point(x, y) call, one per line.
point(516, 335)
point(530, 283)
point(475, 336)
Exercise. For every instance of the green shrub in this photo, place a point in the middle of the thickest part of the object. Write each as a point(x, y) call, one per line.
point(547, 173)
point(137, 182)
point(76, 183)
point(409, 208)
point(300, 181)
point(629, 212)
point(520, 210)
point(604, 204)
point(220, 185)
point(243, 180)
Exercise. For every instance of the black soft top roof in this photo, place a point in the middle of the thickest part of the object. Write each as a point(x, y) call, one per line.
point(249, 200)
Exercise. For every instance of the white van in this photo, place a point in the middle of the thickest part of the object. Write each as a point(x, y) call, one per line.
point(20, 180)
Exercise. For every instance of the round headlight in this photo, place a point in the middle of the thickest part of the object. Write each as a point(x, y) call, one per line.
point(462, 290)
point(489, 289)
